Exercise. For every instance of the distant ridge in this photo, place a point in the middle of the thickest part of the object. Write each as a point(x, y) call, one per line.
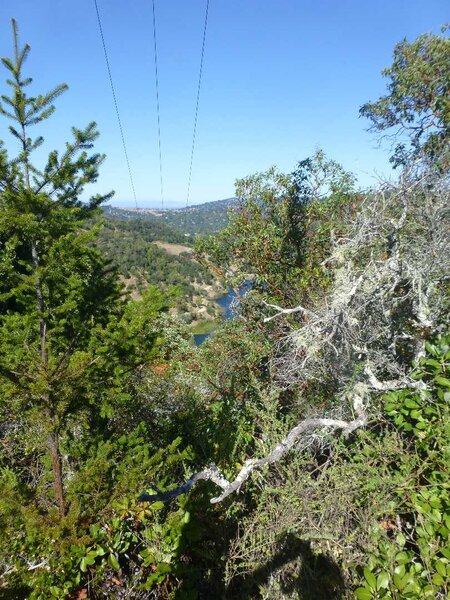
point(198, 219)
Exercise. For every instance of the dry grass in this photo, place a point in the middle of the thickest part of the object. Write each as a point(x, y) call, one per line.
point(173, 249)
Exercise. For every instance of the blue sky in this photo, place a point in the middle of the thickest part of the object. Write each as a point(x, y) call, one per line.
point(281, 78)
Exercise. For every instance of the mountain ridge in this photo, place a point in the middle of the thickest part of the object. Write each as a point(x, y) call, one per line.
point(198, 219)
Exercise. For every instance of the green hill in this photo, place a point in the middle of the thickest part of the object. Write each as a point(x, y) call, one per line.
point(200, 219)
point(152, 253)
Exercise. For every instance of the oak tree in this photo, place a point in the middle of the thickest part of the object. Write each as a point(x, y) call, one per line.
point(417, 103)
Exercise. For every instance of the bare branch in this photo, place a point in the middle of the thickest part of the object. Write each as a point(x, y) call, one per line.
point(213, 474)
point(285, 311)
point(42, 565)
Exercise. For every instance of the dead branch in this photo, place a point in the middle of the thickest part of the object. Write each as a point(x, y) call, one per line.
point(213, 474)
point(285, 311)
point(386, 294)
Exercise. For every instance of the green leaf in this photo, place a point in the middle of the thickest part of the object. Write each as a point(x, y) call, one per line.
point(432, 362)
point(398, 582)
point(429, 592)
point(112, 559)
point(435, 502)
point(363, 594)
point(412, 588)
point(410, 403)
point(382, 580)
point(442, 381)
point(437, 579)
point(370, 578)
point(164, 567)
point(99, 551)
point(400, 570)
point(431, 348)
point(402, 558)
point(440, 567)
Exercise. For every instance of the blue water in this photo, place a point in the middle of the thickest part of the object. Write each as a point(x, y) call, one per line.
point(226, 302)
point(199, 338)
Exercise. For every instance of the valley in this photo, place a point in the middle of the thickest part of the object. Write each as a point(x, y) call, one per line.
point(148, 251)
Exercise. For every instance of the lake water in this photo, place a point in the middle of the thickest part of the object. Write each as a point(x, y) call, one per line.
point(227, 303)
point(199, 338)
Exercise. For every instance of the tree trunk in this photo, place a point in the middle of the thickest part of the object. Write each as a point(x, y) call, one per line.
point(53, 437)
point(40, 305)
point(53, 446)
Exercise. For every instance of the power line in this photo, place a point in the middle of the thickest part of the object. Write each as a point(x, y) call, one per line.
point(116, 106)
point(157, 106)
point(197, 104)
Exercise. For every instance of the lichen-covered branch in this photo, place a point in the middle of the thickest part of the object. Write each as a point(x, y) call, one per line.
point(211, 473)
point(386, 295)
point(286, 445)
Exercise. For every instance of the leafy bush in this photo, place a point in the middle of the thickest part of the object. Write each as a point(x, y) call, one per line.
point(409, 557)
point(107, 540)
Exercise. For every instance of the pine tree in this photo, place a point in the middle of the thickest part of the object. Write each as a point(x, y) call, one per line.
point(56, 292)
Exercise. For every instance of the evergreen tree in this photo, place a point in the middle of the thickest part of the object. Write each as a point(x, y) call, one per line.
point(64, 330)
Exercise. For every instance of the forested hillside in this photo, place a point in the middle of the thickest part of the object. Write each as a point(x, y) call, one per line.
point(149, 230)
point(302, 451)
point(200, 219)
point(148, 253)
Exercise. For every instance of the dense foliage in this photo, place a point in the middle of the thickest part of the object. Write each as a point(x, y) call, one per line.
point(343, 340)
point(417, 105)
point(280, 231)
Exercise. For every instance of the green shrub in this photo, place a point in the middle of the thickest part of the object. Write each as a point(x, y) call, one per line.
point(409, 556)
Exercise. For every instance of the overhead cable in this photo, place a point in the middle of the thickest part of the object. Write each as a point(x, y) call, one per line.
point(197, 104)
point(116, 106)
point(157, 106)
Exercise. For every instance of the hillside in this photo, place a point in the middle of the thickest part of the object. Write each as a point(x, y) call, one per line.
point(200, 219)
point(151, 253)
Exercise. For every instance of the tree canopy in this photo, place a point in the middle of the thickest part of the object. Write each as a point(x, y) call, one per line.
point(418, 99)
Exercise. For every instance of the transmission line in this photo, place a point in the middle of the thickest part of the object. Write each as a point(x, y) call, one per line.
point(157, 106)
point(116, 106)
point(197, 104)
